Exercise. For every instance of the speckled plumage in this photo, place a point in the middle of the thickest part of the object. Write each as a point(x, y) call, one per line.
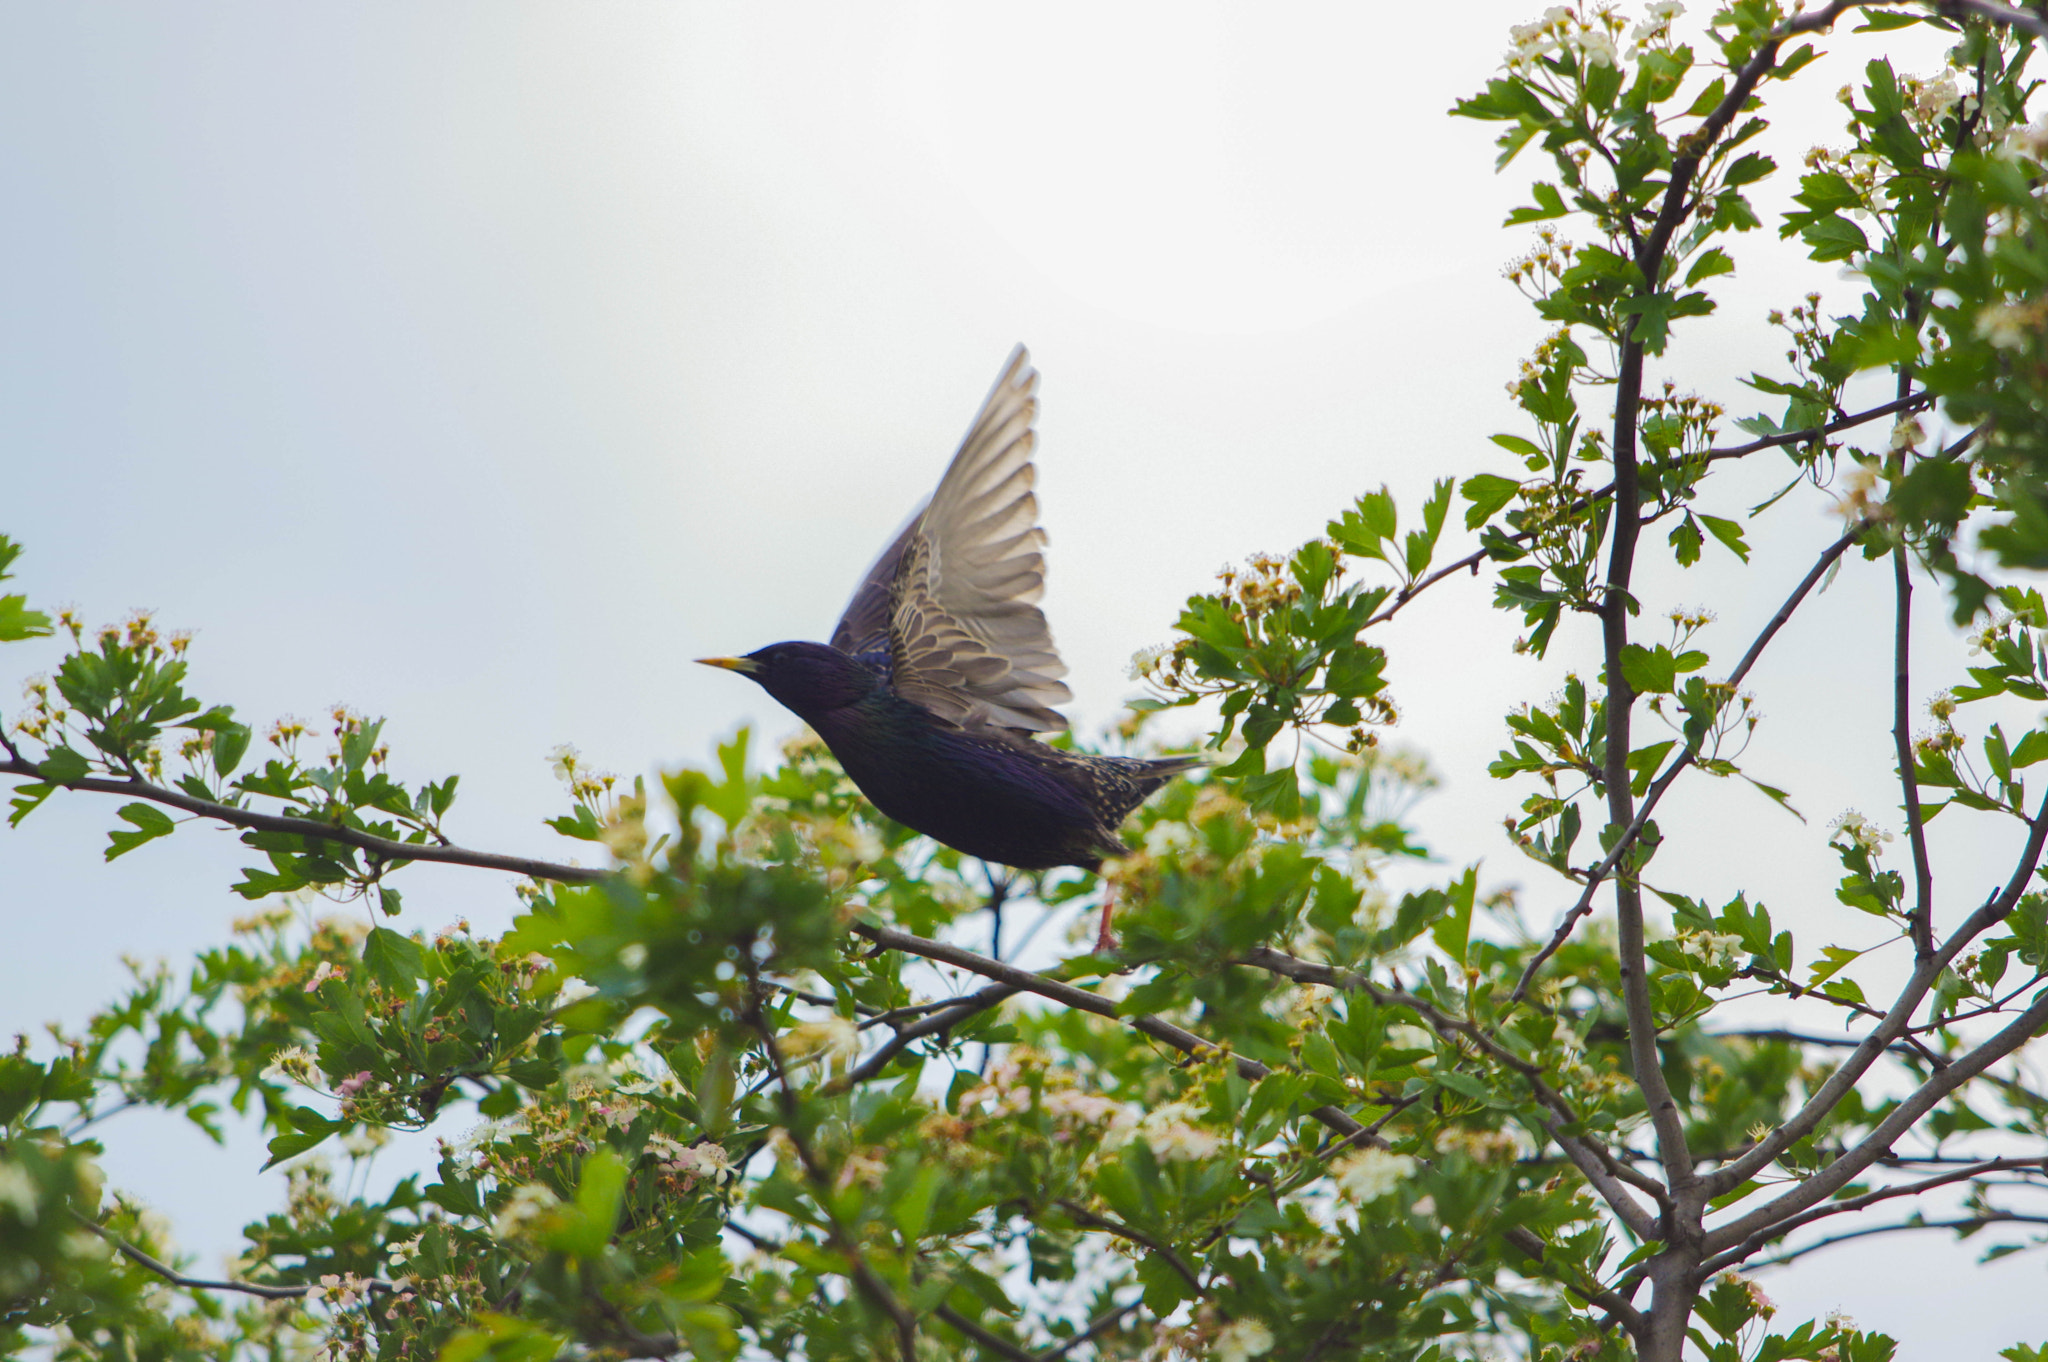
point(941, 673)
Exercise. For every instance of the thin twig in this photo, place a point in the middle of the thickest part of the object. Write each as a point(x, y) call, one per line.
point(864, 1276)
point(1960, 1223)
point(1856, 1203)
point(374, 1286)
point(950, 1015)
point(1589, 1155)
point(1101, 1324)
point(1081, 1215)
point(996, 1344)
point(1671, 773)
point(313, 829)
point(891, 938)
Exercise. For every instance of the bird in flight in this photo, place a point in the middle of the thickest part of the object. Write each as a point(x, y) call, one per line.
point(941, 674)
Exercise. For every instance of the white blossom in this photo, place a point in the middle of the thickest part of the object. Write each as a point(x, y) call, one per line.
point(573, 991)
point(693, 1161)
point(1147, 659)
point(562, 758)
point(293, 1064)
point(1596, 47)
point(18, 1190)
point(1174, 1137)
point(1242, 1339)
point(1709, 948)
point(1091, 1108)
point(529, 1204)
point(1168, 836)
point(1937, 97)
point(1370, 1174)
point(2006, 325)
point(1860, 831)
point(1764, 1304)
point(833, 1038)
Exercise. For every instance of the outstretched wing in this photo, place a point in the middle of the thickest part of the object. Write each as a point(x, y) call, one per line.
point(953, 600)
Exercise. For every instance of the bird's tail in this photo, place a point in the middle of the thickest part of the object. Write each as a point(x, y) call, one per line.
point(1163, 767)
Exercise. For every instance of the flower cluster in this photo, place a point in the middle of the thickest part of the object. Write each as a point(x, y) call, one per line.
point(1537, 273)
point(691, 1163)
point(1370, 1174)
point(1852, 829)
point(2011, 326)
point(1587, 34)
point(586, 785)
point(1714, 950)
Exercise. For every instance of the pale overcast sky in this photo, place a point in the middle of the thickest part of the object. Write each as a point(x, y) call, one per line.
point(480, 364)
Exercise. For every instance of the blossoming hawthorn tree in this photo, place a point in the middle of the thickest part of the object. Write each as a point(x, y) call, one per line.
point(744, 1092)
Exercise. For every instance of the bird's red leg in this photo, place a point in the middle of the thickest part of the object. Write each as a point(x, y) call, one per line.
point(1105, 939)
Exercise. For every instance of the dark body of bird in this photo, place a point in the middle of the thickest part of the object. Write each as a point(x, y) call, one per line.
point(942, 672)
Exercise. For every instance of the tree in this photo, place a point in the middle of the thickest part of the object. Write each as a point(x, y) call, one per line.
point(735, 1100)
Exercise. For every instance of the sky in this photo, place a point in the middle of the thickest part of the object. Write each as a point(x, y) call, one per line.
point(480, 364)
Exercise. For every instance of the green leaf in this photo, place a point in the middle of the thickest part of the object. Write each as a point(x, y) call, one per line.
point(63, 765)
point(393, 960)
point(1712, 262)
point(18, 622)
point(1453, 931)
point(230, 742)
point(150, 823)
point(1165, 1288)
point(1728, 532)
point(1549, 204)
point(1488, 492)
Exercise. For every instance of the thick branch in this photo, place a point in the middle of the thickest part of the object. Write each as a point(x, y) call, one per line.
point(1615, 605)
point(1873, 1146)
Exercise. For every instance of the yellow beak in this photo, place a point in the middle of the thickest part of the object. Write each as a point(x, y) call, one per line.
point(746, 666)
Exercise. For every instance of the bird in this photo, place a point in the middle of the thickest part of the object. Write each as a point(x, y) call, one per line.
point(941, 674)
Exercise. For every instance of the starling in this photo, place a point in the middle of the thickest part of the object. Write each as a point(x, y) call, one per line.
point(941, 673)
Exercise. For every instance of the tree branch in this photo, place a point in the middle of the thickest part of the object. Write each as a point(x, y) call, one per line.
point(374, 1286)
point(1081, 1215)
point(1901, 1119)
point(1895, 1024)
point(384, 848)
point(1856, 1203)
point(1960, 1223)
point(995, 1343)
point(864, 1277)
point(1671, 773)
point(951, 1014)
point(1588, 1155)
point(2011, 17)
point(891, 938)
point(1100, 1325)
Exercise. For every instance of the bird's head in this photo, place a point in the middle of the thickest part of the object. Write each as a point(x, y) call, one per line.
point(808, 678)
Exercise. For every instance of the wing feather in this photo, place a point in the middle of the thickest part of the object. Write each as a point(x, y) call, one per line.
point(954, 599)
